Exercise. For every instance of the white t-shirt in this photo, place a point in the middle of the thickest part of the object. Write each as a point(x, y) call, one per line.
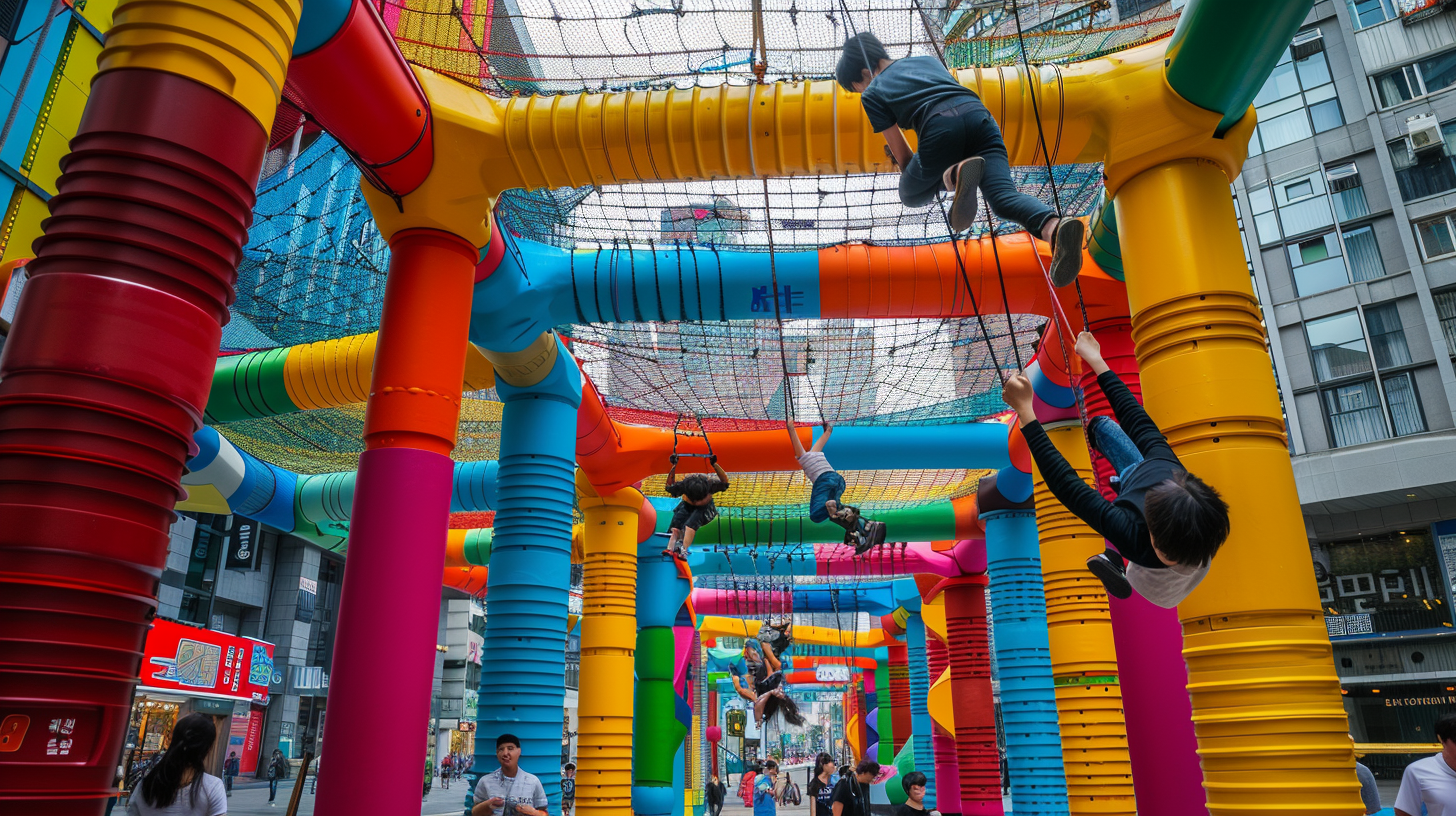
point(522, 789)
point(1165, 587)
point(1429, 782)
point(211, 801)
point(815, 464)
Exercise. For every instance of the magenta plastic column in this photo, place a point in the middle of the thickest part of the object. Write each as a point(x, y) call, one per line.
point(1166, 776)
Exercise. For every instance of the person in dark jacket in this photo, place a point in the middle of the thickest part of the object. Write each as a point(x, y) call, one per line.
point(960, 146)
point(1167, 522)
point(230, 768)
point(277, 771)
point(716, 793)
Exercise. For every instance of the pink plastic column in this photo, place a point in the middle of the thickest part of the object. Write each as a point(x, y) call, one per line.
point(1166, 776)
point(384, 653)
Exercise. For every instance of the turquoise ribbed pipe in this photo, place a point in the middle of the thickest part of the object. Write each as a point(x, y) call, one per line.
point(1023, 658)
point(920, 723)
point(530, 571)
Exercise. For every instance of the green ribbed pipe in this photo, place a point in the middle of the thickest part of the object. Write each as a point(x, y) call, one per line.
point(1222, 51)
point(1102, 242)
point(248, 386)
point(928, 522)
point(477, 546)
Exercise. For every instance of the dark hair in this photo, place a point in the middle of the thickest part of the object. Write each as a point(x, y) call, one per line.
point(911, 780)
point(694, 486)
point(770, 765)
point(571, 766)
point(507, 738)
point(820, 761)
point(867, 766)
point(1446, 727)
point(783, 705)
point(192, 738)
point(1187, 519)
point(852, 64)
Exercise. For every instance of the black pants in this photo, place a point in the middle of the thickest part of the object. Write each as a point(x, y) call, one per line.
point(272, 789)
point(955, 132)
point(715, 808)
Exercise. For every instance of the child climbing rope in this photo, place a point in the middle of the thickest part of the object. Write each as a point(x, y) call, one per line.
point(759, 678)
point(828, 487)
point(1167, 522)
point(696, 508)
point(960, 146)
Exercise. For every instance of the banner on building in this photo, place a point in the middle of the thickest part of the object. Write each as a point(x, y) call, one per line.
point(307, 600)
point(1393, 582)
point(201, 661)
point(242, 544)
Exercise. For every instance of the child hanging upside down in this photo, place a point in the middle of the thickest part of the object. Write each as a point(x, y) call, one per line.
point(960, 146)
point(1167, 522)
point(696, 508)
point(828, 485)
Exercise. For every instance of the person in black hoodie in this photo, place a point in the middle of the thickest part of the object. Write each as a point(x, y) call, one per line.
point(716, 792)
point(1166, 521)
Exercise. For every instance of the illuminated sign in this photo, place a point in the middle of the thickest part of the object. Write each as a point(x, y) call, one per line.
point(201, 661)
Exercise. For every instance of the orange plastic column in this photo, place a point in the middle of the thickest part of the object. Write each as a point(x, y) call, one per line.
point(419, 366)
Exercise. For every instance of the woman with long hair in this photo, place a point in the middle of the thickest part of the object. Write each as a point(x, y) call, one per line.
point(177, 785)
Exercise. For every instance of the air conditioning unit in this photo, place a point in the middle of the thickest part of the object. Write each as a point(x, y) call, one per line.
point(1306, 44)
point(1424, 133)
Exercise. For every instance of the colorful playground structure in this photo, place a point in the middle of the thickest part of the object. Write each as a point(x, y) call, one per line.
point(115, 409)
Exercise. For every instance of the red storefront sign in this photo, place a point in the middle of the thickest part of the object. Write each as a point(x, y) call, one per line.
point(244, 739)
point(201, 661)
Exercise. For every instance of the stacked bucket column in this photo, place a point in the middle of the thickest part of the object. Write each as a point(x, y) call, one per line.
point(530, 560)
point(106, 373)
point(942, 741)
point(1028, 702)
point(1084, 663)
point(399, 523)
point(1161, 745)
point(975, 709)
point(1267, 710)
point(608, 641)
point(657, 730)
point(920, 723)
point(899, 694)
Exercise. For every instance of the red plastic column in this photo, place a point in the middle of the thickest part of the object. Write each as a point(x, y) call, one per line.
point(102, 385)
point(1161, 743)
point(899, 694)
point(947, 769)
point(971, 698)
point(384, 647)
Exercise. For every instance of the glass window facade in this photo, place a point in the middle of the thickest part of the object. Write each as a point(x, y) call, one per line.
point(1422, 77)
point(1366, 13)
point(1387, 336)
point(1395, 579)
point(1437, 236)
point(1352, 412)
point(1406, 416)
point(1446, 311)
point(1337, 345)
point(1363, 254)
point(1428, 173)
point(1317, 263)
point(1296, 102)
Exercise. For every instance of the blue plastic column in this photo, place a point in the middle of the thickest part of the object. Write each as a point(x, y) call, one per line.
point(920, 704)
point(1023, 657)
point(523, 688)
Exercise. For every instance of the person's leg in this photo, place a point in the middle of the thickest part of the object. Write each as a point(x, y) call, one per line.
point(272, 788)
point(919, 185)
point(1108, 439)
point(983, 138)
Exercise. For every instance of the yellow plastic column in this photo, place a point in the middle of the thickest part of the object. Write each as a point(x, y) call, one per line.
point(1084, 662)
point(1266, 702)
point(608, 643)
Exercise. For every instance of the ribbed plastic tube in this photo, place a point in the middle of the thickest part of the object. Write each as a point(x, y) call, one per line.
point(1023, 658)
point(920, 723)
point(530, 569)
point(947, 769)
point(657, 732)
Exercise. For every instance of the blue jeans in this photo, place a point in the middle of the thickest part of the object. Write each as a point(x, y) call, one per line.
point(1110, 441)
point(959, 130)
point(272, 788)
point(828, 487)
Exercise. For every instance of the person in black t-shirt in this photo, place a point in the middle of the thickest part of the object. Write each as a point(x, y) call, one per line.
point(852, 794)
point(696, 508)
point(960, 146)
point(821, 792)
point(1167, 522)
point(914, 785)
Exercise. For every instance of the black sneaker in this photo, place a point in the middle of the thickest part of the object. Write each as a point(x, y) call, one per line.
point(967, 178)
point(1111, 574)
point(1115, 483)
point(1067, 251)
point(862, 543)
